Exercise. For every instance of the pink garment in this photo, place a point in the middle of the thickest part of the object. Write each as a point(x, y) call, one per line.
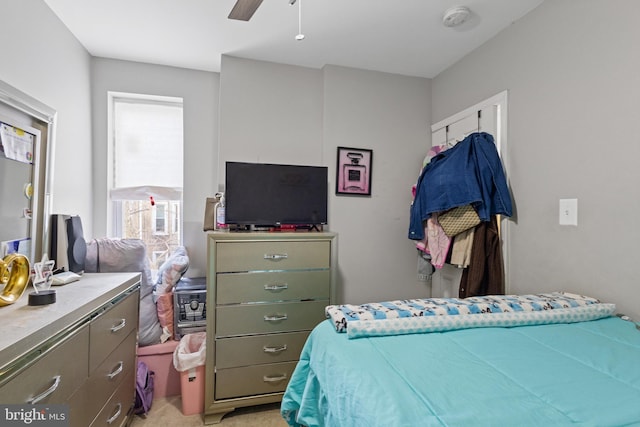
point(437, 242)
point(423, 244)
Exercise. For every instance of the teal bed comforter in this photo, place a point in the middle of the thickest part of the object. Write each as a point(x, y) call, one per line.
point(583, 373)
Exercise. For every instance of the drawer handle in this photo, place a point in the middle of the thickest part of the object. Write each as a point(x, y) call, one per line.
point(274, 349)
point(120, 325)
point(116, 371)
point(276, 287)
point(270, 379)
point(276, 257)
point(275, 318)
point(116, 415)
point(47, 392)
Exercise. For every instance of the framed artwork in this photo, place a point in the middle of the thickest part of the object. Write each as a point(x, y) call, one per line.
point(353, 172)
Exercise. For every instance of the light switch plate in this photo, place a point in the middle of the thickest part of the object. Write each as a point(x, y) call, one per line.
point(568, 211)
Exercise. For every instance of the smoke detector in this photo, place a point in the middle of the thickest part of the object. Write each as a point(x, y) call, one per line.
point(455, 16)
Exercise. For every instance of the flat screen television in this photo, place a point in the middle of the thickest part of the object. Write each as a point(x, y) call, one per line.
point(263, 194)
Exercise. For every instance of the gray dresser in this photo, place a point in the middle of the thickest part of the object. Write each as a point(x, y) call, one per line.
point(265, 292)
point(79, 351)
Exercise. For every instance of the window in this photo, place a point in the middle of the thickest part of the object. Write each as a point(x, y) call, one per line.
point(159, 222)
point(146, 171)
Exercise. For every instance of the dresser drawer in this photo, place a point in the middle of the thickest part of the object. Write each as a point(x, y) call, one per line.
point(111, 327)
point(111, 374)
point(251, 319)
point(272, 255)
point(114, 413)
point(252, 380)
point(272, 286)
point(55, 375)
point(259, 349)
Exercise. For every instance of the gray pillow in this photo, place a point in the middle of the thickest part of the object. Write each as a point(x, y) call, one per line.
point(128, 255)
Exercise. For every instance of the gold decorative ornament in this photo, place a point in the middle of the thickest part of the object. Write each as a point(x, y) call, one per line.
point(14, 275)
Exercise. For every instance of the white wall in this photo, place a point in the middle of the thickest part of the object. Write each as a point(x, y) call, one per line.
point(199, 90)
point(42, 59)
point(287, 114)
point(571, 71)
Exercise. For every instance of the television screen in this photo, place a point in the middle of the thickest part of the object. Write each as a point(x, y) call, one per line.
point(271, 194)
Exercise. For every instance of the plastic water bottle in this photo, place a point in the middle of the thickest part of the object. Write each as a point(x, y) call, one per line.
point(220, 213)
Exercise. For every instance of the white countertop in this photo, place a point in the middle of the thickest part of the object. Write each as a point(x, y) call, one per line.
point(23, 327)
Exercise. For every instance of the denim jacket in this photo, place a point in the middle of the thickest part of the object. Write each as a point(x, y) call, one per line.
point(468, 173)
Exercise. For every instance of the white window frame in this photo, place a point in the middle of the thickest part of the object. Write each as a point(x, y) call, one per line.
point(175, 214)
point(114, 210)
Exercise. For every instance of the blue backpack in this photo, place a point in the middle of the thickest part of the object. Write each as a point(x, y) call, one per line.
point(144, 389)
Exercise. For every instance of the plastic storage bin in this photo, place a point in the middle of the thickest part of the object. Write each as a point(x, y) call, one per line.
point(159, 359)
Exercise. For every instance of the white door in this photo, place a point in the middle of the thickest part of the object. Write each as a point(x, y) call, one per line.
point(488, 116)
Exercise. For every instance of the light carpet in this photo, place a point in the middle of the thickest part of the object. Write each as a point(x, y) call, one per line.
point(167, 412)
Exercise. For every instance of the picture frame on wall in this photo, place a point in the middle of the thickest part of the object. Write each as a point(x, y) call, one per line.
point(353, 171)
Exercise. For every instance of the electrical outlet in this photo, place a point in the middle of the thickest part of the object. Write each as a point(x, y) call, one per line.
point(568, 211)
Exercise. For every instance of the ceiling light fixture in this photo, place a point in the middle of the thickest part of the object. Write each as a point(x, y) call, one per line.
point(456, 16)
point(300, 36)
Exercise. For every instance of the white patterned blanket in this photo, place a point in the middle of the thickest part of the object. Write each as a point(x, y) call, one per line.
point(442, 314)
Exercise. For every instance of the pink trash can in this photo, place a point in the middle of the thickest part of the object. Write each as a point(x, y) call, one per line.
point(192, 386)
point(189, 359)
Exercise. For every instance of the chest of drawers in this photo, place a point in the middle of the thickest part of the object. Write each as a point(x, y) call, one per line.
point(79, 351)
point(267, 291)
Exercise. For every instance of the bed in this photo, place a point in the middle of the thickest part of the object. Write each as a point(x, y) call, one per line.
point(535, 360)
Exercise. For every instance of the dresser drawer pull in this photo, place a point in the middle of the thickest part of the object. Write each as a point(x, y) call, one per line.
point(47, 392)
point(275, 318)
point(116, 371)
point(269, 379)
point(274, 349)
point(276, 257)
point(120, 325)
point(276, 287)
point(116, 415)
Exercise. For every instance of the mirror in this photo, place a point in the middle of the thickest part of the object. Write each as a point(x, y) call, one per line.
point(27, 129)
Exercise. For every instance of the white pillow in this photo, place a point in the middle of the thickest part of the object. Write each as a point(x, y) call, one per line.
point(171, 271)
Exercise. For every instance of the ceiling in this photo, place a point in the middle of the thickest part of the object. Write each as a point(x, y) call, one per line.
point(396, 36)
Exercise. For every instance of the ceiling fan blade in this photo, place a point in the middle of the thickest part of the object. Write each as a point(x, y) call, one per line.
point(243, 10)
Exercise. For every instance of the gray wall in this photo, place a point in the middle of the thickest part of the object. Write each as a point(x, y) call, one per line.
point(269, 113)
point(199, 91)
point(390, 114)
point(287, 114)
point(571, 71)
point(42, 59)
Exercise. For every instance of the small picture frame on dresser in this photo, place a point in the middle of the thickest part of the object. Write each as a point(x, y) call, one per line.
point(353, 171)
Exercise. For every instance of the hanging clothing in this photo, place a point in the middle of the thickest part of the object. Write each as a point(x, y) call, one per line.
point(438, 242)
point(469, 173)
point(425, 269)
point(485, 274)
point(461, 248)
point(424, 253)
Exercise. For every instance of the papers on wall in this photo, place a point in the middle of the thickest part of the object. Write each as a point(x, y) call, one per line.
point(16, 144)
point(20, 246)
